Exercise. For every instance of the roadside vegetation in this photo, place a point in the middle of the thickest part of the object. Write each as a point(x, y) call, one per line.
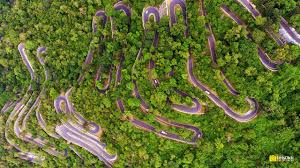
point(65, 29)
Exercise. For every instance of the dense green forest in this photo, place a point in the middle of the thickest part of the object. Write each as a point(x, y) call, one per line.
point(65, 30)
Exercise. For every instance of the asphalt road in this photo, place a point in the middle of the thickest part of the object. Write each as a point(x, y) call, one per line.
point(165, 134)
point(212, 48)
point(246, 117)
point(290, 31)
point(266, 61)
point(72, 133)
point(250, 7)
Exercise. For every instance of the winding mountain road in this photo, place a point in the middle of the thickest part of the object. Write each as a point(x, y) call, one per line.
point(267, 62)
point(7, 106)
point(289, 32)
point(197, 108)
point(225, 9)
point(250, 7)
point(99, 14)
point(252, 113)
point(212, 48)
point(93, 128)
point(43, 125)
point(86, 134)
point(153, 11)
point(21, 48)
point(165, 134)
point(172, 12)
point(102, 15)
point(20, 126)
point(77, 129)
point(17, 112)
point(107, 82)
point(147, 12)
point(73, 133)
point(120, 6)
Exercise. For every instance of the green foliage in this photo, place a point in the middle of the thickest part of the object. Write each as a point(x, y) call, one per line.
point(64, 27)
point(132, 102)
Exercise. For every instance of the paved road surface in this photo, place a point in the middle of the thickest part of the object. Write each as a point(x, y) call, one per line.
point(250, 7)
point(147, 13)
point(195, 109)
point(267, 62)
point(252, 113)
point(21, 48)
point(212, 48)
point(147, 127)
point(18, 110)
point(72, 133)
point(291, 32)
